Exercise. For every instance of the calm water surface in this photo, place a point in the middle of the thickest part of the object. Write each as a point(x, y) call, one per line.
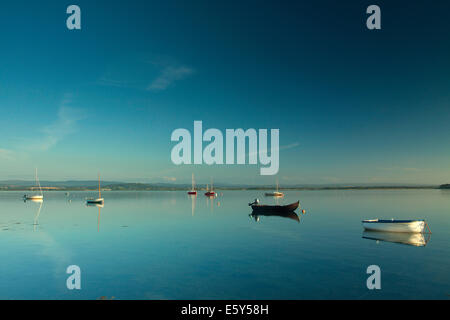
point(165, 245)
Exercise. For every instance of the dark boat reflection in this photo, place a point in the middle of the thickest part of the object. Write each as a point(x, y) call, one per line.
point(289, 215)
point(411, 239)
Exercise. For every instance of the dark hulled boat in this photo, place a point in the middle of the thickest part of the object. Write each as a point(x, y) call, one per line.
point(258, 208)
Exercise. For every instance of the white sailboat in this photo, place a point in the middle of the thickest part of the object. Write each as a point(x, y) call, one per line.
point(35, 197)
point(98, 200)
point(276, 194)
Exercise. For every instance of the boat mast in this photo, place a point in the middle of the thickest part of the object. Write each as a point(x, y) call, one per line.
point(193, 183)
point(37, 181)
point(99, 191)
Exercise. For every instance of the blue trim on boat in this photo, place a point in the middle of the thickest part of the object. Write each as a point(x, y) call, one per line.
point(390, 221)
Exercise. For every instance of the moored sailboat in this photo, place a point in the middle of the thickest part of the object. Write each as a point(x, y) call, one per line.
point(276, 194)
point(210, 193)
point(35, 197)
point(193, 192)
point(98, 200)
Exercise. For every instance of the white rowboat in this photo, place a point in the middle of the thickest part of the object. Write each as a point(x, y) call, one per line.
point(407, 226)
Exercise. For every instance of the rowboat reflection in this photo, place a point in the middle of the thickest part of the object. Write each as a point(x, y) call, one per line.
point(289, 215)
point(412, 239)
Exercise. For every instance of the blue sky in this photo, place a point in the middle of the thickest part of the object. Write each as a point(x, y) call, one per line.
point(352, 105)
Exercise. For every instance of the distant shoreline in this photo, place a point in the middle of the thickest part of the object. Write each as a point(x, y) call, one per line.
point(74, 185)
point(109, 188)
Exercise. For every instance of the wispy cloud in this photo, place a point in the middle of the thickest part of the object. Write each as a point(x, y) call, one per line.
point(106, 81)
point(64, 125)
point(171, 179)
point(154, 73)
point(6, 154)
point(168, 76)
point(290, 146)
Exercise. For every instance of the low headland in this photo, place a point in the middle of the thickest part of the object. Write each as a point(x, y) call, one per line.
point(127, 186)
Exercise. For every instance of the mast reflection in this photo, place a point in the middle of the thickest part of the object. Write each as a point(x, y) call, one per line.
point(99, 206)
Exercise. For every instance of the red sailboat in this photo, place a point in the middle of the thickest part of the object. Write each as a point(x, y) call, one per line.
point(210, 193)
point(192, 192)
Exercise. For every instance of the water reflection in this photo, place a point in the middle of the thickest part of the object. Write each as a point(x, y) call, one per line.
point(161, 233)
point(210, 202)
point(99, 206)
point(36, 217)
point(290, 215)
point(412, 239)
point(193, 203)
